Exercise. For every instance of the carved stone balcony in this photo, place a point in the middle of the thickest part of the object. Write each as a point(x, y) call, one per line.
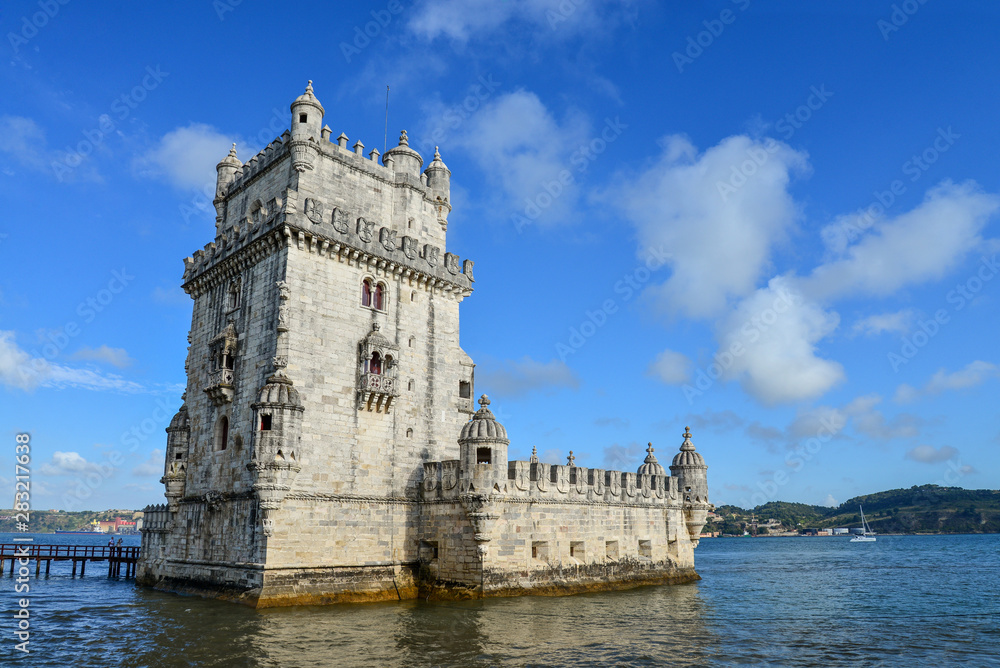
point(376, 392)
point(220, 388)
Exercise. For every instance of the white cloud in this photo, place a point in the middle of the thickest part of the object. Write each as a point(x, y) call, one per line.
point(771, 339)
point(721, 240)
point(974, 373)
point(113, 356)
point(73, 463)
point(516, 140)
point(830, 502)
point(515, 378)
point(671, 367)
point(461, 20)
point(928, 454)
point(920, 245)
point(24, 142)
point(152, 466)
point(186, 157)
point(873, 325)
point(20, 370)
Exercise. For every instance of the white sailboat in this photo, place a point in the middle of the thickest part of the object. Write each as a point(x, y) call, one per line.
point(866, 536)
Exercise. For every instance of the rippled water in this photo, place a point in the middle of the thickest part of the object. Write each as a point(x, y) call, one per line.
point(902, 601)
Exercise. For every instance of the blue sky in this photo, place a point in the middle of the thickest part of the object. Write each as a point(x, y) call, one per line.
point(775, 223)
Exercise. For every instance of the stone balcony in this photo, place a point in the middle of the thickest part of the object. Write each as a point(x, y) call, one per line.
point(376, 392)
point(220, 388)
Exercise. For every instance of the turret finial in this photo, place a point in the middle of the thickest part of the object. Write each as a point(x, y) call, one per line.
point(687, 445)
point(571, 460)
point(403, 141)
point(309, 86)
point(484, 401)
point(232, 151)
point(534, 455)
point(437, 153)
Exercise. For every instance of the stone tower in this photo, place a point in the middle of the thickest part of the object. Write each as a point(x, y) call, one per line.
point(327, 448)
point(324, 369)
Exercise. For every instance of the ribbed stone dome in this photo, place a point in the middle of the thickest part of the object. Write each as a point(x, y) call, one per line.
point(376, 339)
point(403, 149)
point(180, 421)
point(278, 390)
point(437, 163)
point(687, 456)
point(231, 159)
point(309, 98)
point(650, 466)
point(483, 426)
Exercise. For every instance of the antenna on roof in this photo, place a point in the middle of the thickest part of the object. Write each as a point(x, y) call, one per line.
point(385, 136)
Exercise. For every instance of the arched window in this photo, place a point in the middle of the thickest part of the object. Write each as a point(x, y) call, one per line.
point(375, 365)
point(366, 292)
point(233, 298)
point(222, 433)
point(388, 363)
point(379, 301)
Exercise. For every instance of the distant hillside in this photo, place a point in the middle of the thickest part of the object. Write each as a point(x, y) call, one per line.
point(923, 509)
point(47, 521)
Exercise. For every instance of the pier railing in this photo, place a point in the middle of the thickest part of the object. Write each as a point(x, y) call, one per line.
point(116, 556)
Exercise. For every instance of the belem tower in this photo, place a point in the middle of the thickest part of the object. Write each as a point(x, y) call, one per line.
point(328, 448)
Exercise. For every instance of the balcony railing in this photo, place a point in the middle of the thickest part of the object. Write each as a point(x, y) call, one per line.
point(220, 386)
point(376, 392)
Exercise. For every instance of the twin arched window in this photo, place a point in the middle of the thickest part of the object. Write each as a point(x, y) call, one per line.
point(377, 364)
point(373, 294)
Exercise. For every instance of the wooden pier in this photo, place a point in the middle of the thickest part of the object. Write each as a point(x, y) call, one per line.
point(80, 555)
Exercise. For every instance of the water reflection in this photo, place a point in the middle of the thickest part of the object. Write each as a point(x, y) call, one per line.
point(925, 601)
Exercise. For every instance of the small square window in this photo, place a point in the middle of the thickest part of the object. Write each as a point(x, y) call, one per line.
point(540, 550)
point(484, 456)
point(611, 550)
point(303, 118)
point(428, 550)
point(465, 389)
point(265, 422)
point(576, 550)
point(178, 456)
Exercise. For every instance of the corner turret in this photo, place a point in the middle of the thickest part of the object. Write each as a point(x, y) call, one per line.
point(690, 469)
point(307, 129)
point(307, 115)
point(439, 181)
point(226, 172)
point(483, 452)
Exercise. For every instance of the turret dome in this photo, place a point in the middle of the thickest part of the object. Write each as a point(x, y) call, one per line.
point(278, 390)
point(308, 98)
point(483, 426)
point(650, 466)
point(230, 159)
point(404, 158)
point(180, 421)
point(437, 163)
point(687, 456)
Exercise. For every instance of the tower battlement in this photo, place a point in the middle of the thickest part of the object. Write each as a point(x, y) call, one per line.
point(313, 459)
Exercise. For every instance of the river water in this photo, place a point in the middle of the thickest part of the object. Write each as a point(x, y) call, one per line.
point(903, 601)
